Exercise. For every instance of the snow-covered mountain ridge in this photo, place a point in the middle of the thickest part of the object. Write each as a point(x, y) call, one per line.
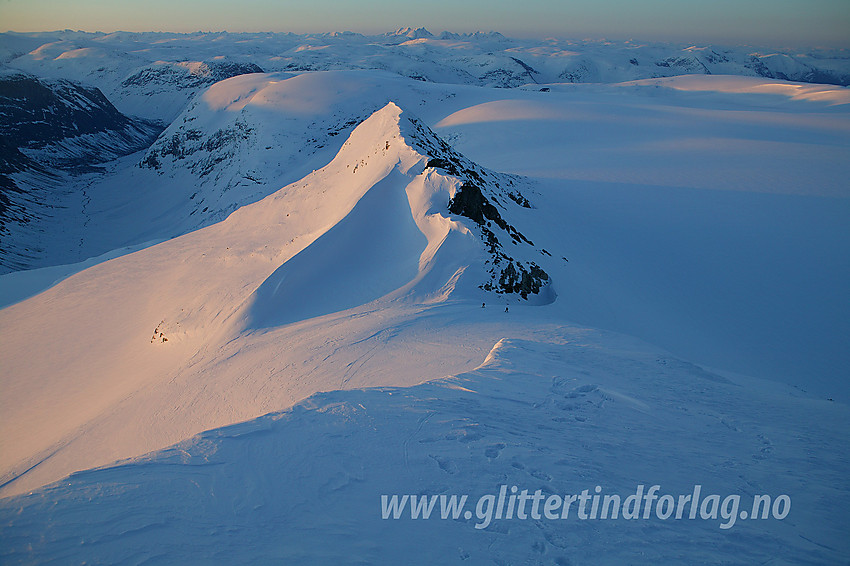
point(372, 227)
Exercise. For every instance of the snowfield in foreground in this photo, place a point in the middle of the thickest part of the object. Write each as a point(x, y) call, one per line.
point(316, 290)
point(561, 412)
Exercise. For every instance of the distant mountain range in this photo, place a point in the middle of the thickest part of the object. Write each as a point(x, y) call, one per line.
point(155, 74)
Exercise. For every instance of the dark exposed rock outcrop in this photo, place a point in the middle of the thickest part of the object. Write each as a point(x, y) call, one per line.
point(484, 197)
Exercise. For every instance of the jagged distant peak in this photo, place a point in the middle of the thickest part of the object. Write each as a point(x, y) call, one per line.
point(411, 33)
point(486, 35)
point(345, 35)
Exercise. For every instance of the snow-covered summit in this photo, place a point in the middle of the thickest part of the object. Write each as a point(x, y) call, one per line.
point(397, 217)
point(426, 222)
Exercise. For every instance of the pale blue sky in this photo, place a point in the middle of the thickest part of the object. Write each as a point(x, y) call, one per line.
point(781, 22)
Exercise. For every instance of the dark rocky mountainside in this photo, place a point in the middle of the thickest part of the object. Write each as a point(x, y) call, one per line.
point(189, 76)
point(50, 132)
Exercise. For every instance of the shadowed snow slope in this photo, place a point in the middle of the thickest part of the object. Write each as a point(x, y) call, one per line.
point(372, 251)
point(145, 334)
